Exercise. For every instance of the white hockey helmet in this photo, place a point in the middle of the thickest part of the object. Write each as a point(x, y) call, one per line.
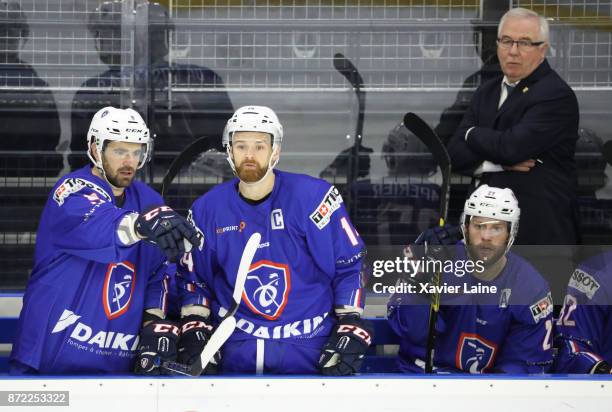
point(121, 125)
point(253, 119)
point(494, 203)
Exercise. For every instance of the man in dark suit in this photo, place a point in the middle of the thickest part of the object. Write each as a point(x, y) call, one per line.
point(520, 132)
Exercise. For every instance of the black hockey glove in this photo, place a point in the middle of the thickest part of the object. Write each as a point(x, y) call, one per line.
point(344, 351)
point(446, 235)
point(158, 342)
point(195, 334)
point(168, 230)
point(436, 243)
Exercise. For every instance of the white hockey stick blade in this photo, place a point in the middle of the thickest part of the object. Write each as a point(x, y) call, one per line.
point(227, 326)
point(222, 334)
point(245, 264)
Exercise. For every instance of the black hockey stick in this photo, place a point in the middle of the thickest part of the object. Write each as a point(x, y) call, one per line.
point(228, 323)
point(426, 135)
point(348, 70)
point(607, 151)
point(435, 145)
point(185, 158)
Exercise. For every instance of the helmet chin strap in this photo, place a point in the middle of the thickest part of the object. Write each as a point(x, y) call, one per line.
point(271, 166)
point(100, 166)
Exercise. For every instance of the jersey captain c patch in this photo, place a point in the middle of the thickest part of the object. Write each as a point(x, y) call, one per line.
point(474, 353)
point(266, 289)
point(118, 288)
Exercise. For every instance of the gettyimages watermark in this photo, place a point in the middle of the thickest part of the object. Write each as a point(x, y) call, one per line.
point(566, 270)
point(417, 270)
point(417, 276)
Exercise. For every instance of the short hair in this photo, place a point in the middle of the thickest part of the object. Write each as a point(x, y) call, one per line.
point(522, 13)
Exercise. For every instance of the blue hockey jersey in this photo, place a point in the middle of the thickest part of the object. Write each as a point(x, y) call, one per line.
point(308, 262)
point(83, 305)
point(584, 327)
point(478, 332)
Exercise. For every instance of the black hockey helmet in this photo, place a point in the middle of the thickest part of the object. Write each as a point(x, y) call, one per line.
point(405, 154)
point(13, 26)
point(590, 162)
point(105, 25)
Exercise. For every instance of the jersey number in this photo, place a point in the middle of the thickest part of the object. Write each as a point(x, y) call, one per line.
point(187, 260)
point(547, 344)
point(569, 305)
point(350, 232)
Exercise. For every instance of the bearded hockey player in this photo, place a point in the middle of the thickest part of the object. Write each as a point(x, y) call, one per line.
point(503, 327)
point(303, 298)
point(584, 327)
point(99, 263)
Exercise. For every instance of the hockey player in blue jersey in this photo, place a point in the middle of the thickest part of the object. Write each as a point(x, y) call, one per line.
point(99, 271)
point(303, 299)
point(584, 327)
point(502, 330)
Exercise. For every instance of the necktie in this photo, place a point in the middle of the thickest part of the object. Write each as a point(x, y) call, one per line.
point(509, 89)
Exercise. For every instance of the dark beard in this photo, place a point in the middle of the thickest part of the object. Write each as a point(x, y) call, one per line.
point(115, 180)
point(251, 175)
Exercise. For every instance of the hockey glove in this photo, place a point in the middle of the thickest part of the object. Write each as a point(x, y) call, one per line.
point(195, 334)
point(168, 230)
point(436, 243)
point(158, 342)
point(446, 235)
point(344, 351)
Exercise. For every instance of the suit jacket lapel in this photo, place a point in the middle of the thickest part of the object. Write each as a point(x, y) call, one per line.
point(489, 108)
point(521, 88)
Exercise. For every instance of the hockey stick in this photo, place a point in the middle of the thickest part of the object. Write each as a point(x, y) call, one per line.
point(607, 151)
point(228, 323)
point(186, 157)
point(426, 135)
point(348, 70)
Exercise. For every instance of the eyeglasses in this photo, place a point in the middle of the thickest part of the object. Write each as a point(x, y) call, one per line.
point(522, 45)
